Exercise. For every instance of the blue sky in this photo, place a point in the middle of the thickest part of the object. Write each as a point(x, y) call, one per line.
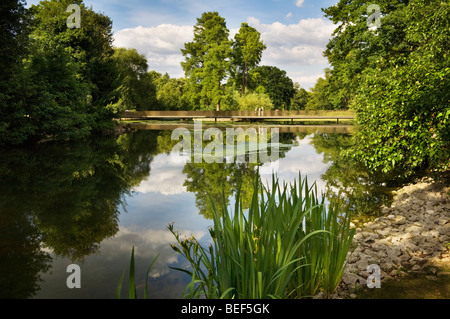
point(294, 31)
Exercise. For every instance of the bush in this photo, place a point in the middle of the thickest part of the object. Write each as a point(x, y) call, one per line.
point(252, 101)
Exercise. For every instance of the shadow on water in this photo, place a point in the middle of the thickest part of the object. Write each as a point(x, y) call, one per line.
point(65, 200)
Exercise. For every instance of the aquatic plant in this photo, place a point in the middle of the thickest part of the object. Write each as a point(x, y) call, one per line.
point(288, 244)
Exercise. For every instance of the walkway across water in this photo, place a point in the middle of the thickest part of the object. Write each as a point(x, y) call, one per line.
point(239, 115)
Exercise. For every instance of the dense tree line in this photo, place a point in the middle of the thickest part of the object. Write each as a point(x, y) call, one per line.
point(64, 82)
point(56, 81)
point(396, 78)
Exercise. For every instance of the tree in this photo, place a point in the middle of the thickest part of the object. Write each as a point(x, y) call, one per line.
point(275, 83)
point(207, 61)
point(354, 48)
point(134, 87)
point(408, 128)
point(247, 53)
point(253, 101)
point(14, 40)
point(89, 48)
point(60, 80)
point(300, 99)
point(172, 95)
point(320, 98)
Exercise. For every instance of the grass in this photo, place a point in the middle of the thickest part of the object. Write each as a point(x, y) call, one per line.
point(289, 244)
point(131, 280)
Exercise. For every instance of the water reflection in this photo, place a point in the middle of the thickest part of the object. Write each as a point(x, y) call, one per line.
point(64, 199)
point(365, 191)
point(89, 203)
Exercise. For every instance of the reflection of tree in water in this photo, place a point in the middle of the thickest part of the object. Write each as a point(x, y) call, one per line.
point(21, 257)
point(210, 181)
point(364, 190)
point(65, 197)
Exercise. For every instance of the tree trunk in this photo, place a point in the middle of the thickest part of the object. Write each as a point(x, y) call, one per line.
point(244, 82)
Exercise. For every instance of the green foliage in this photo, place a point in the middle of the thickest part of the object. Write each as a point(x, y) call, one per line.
point(58, 81)
point(300, 99)
point(132, 280)
point(288, 245)
point(408, 128)
point(14, 40)
point(207, 61)
point(320, 94)
point(253, 101)
point(247, 53)
point(134, 86)
point(354, 48)
point(276, 84)
point(172, 95)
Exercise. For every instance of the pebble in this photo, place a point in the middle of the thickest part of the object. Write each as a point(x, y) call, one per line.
point(410, 235)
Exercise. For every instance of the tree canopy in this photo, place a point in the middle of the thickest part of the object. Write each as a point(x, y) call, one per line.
point(247, 53)
point(274, 82)
point(397, 76)
point(207, 61)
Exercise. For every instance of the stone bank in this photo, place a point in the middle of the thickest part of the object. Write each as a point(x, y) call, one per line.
point(412, 235)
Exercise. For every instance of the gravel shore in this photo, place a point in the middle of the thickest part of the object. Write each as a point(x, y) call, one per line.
point(411, 236)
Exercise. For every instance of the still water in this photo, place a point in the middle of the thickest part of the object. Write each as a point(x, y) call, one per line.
point(89, 203)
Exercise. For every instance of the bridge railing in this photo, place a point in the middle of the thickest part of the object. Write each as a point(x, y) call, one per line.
point(240, 114)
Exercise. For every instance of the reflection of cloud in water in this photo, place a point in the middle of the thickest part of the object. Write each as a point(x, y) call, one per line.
point(165, 177)
point(100, 272)
point(148, 243)
point(302, 158)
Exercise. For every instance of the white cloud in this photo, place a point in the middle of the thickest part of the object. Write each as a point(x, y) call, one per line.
point(299, 3)
point(311, 31)
point(291, 47)
point(161, 44)
point(253, 21)
point(289, 15)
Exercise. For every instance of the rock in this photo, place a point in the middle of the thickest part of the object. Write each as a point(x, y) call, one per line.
point(411, 234)
point(393, 273)
point(353, 279)
point(416, 268)
point(383, 232)
point(413, 228)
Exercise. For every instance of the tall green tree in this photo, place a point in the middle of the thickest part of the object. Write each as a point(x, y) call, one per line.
point(354, 47)
point(274, 82)
point(207, 61)
point(134, 85)
point(172, 95)
point(247, 53)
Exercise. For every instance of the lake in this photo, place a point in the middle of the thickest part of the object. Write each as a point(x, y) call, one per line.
point(89, 203)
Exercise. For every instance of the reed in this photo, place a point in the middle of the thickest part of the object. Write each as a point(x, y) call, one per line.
point(289, 244)
point(132, 280)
